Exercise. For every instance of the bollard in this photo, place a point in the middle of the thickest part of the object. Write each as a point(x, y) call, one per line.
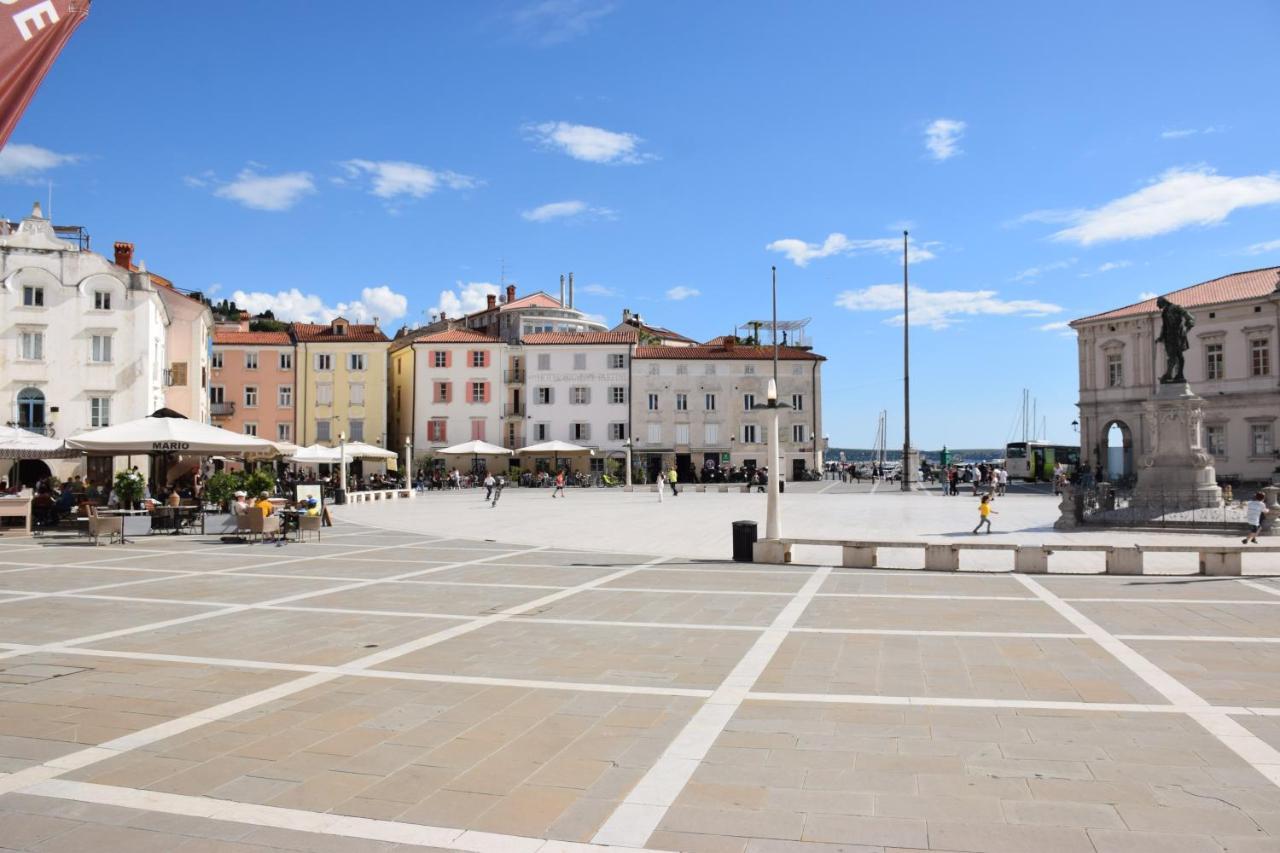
point(1031, 560)
point(1124, 561)
point(1221, 563)
point(858, 557)
point(941, 558)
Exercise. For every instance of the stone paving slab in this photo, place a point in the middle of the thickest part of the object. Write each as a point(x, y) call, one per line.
point(325, 639)
point(968, 667)
point(1245, 674)
point(727, 608)
point(49, 620)
point(54, 704)
point(62, 578)
point(934, 615)
point(660, 578)
point(1198, 588)
point(618, 655)
point(903, 583)
point(1200, 620)
point(434, 597)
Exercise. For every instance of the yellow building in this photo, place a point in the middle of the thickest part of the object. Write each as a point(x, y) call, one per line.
point(342, 382)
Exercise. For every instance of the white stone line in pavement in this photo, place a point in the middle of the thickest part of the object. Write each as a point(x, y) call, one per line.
point(298, 820)
point(92, 755)
point(1254, 750)
point(1193, 638)
point(963, 702)
point(640, 813)
point(924, 595)
point(1261, 586)
point(1262, 601)
point(694, 591)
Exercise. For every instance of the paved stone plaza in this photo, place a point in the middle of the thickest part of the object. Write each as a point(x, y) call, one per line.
point(391, 689)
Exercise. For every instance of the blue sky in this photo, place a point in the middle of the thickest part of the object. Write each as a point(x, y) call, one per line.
point(388, 160)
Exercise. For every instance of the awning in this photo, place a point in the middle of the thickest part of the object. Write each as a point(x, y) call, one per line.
point(17, 443)
point(167, 435)
point(474, 448)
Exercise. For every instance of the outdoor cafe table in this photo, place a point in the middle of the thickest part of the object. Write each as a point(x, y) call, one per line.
point(289, 519)
point(137, 522)
point(175, 515)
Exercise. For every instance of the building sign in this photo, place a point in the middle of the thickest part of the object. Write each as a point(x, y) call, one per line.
point(724, 457)
point(30, 41)
point(170, 446)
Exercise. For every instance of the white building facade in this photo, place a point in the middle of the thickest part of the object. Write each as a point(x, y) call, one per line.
point(694, 408)
point(578, 390)
point(1232, 365)
point(84, 340)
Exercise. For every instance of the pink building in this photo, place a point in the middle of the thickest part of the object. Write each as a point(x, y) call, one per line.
point(252, 389)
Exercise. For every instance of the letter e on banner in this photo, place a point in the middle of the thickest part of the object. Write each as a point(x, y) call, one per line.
point(28, 50)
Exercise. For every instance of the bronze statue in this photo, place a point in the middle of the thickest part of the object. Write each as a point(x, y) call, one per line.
point(1175, 327)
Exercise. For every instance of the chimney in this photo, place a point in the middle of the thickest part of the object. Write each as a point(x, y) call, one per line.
point(570, 290)
point(492, 301)
point(729, 342)
point(124, 255)
point(626, 315)
point(561, 291)
point(511, 293)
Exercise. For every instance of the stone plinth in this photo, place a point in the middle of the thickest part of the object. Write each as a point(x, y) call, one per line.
point(1177, 473)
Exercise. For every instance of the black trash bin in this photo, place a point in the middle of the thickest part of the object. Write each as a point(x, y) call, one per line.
point(744, 539)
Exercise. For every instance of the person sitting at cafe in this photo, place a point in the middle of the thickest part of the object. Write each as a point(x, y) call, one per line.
point(312, 507)
point(43, 508)
point(241, 504)
point(66, 503)
point(265, 505)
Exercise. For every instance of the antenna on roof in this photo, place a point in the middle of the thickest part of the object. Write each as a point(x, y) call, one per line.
point(502, 274)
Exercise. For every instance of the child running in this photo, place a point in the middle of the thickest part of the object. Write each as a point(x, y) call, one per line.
point(984, 514)
point(559, 489)
point(1257, 510)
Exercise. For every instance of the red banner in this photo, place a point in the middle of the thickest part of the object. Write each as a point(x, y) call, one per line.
point(32, 33)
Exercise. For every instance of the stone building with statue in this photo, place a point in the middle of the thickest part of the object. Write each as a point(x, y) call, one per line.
point(1231, 364)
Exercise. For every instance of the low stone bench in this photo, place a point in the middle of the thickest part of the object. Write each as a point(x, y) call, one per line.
point(1214, 560)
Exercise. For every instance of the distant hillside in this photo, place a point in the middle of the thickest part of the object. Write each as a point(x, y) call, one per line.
point(958, 454)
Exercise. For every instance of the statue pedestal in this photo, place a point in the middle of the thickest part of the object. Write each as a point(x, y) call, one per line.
point(1177, 473)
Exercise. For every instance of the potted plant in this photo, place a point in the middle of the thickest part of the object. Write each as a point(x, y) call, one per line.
point(219, 490)
point(129, 487)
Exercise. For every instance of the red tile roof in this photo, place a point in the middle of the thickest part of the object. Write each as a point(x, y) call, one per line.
point(657, 331)
point(740, 353)
point(455, 336)
point(533, 300)
point(314, 333)
point(1230, 288)
point(614, 337)
point(235, 336)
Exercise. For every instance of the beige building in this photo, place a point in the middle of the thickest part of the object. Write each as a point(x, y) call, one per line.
point(692, 407)
point(341, 372)
point(1232, 364)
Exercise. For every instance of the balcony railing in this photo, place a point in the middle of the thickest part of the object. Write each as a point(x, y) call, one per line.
point(222, 410)
point(513, 411)
point(513, 376)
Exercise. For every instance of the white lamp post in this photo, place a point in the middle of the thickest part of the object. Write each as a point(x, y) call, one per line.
point(627, 444)
point(408, 461)
point(773, 520)
point(342, 468)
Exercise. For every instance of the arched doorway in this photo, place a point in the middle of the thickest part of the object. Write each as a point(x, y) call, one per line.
point(31, 409)
point(1119, 452)
point(32, 471)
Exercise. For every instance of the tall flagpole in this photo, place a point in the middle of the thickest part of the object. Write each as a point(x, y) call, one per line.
point(906, 373)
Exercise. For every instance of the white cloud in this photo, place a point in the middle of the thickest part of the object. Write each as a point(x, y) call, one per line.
point(1062, 327)
point(551, 22)
point(1182, 133)
point(801, 253)
point(18, 161)
point(1147, 294)
point(681, 292)
point(464, 298)
point(939, 309)
point(268, 192)
point(566, 210)
point(391, 178)
point(599, 290)
point(942, 138)
point(1262, 248)
point(592, 144)
point(1036, 272)
point(381, 302)
point(1107, 267)
point(1177, 199)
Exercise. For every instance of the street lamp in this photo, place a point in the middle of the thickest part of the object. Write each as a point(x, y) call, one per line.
point(408, 461)
point(773, 523)
point(627, 444)
point(340, 496)
point(1075, 426)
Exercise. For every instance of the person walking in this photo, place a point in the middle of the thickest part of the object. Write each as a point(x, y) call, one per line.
point(671, 478)
point(1256, 510)
point(1003, 478)
point(498, 485)
point(488, 486)
point(559, 489)
point(984, 514)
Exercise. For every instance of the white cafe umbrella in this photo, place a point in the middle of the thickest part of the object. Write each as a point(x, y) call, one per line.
point(316, 453)
point(360, 450)
point(165, 433)
point(18, 443)
point(556, 449)
point(475, 449)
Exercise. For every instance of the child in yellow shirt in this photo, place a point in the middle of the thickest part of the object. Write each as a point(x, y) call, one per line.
point(984, 514)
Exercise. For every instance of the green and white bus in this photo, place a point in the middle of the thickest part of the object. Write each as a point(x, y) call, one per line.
point(1035, 460)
